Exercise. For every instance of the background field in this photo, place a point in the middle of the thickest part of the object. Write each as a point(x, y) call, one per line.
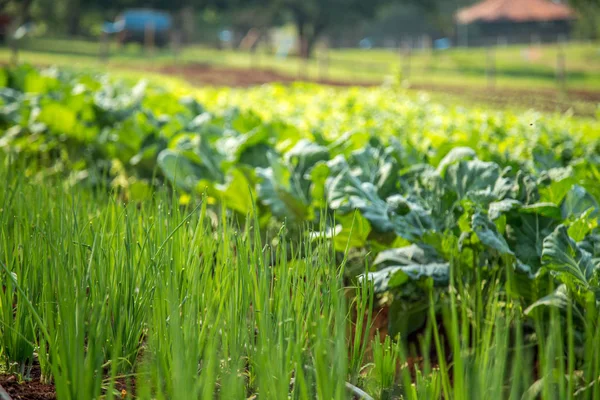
point(524, 78)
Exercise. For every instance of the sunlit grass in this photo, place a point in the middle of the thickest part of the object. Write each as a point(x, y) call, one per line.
point(516, 66)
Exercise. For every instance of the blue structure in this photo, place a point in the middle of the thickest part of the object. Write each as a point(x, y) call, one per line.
point(132, 25)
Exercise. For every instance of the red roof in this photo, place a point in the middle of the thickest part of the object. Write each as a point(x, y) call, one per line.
point(514, 10)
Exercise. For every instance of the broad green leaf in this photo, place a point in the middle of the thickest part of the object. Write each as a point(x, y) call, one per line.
point(372, 164)
point(577, 201)
point(237, 192)
point(555, 183)
point(591, 244)
point(582, 225)
point(257, 155)
point(544, 209)
point(407, 317)
point(559, 298)
point(395, 276)
point(412, 254)
point(199, 151)
point(58, 118)
point(354, 232)
point(179, 170)
point(525, 234)
point(498, 208)
point(275, 190)
point(409, 219)
point(472, 176)
point(488, 235)
point(455, 155)
point(318, 176)
point(345, 193)
point(562, 256)
point(526, 188)
point(304, 155)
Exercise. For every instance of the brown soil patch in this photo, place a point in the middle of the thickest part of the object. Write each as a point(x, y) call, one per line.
point(240, 77)
point(581, 102)
point(27, 390)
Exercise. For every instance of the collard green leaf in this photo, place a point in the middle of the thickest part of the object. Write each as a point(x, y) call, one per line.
point(471, 176)
point(192, 104)
point(277, 191)
point(526, 269)
point(247, 147)
point(317, 177)
point(345, 193)
point(559, 298)
point(525, 189)
point(525, 234)
point(488, 234)
point(180, 171)
point(555, 183)
point(59, 118)
point(413, 254)
point(406, 317)
point(498, 208)
point(562, 256)
point(591, 244)
point(545, 158)
point(393, 277)
point(544, 209)
point(237, 192)
point(199, 151)
point(577, 201)
point(410, 220)
point(257, 155)
point(453, 156)
point(305, 154)
point(582, 225)
point(353, 233)
point(374, 164)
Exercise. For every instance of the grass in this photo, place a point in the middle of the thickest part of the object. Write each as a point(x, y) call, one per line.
point(451, 76)
point(188, 302)
point(516, 67)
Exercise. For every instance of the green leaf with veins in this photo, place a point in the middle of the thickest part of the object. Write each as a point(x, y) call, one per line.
point(566, 259)
point(488, 234)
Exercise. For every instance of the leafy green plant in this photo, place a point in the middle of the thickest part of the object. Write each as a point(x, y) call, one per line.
point(225, 247)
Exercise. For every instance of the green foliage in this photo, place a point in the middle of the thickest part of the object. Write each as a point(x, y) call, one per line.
point(448, 213)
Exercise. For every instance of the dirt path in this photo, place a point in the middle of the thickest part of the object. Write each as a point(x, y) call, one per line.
point(240, 77)
point(580, 102)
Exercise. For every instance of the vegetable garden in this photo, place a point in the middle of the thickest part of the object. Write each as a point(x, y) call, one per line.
point(164, 242)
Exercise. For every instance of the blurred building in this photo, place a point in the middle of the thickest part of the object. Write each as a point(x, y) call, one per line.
point(513, 21)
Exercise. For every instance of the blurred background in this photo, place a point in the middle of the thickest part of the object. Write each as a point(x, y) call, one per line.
point(545, 53)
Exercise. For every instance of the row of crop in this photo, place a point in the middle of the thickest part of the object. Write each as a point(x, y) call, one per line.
point(438, 192)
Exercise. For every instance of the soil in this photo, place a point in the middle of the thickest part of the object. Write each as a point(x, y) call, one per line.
point(205, 74)
point(580, 102)
point(27, 390)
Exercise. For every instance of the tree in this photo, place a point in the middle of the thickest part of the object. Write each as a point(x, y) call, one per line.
point(313, 17)
point(588, 23)
point(73, 17)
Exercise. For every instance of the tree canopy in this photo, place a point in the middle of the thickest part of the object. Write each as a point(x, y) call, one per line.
point(312, 18)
